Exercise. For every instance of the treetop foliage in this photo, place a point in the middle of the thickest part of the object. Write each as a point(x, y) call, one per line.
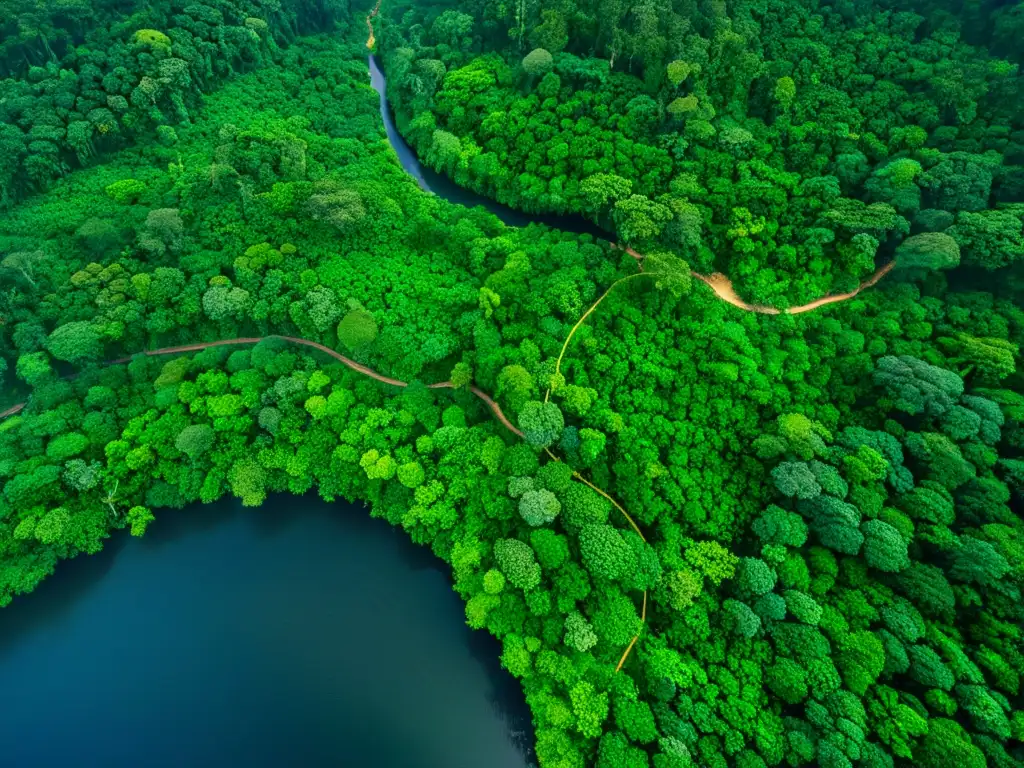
point(830, 564)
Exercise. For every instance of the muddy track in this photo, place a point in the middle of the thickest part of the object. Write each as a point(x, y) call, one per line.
point(357, 367)
point(370, 40)
point(723, 288)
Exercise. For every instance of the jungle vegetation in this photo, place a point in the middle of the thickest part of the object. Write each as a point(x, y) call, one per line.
point(787, 144)
point(827, 558)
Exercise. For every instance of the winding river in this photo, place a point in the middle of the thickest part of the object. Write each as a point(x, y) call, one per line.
point(431, 181)
point(299, 633)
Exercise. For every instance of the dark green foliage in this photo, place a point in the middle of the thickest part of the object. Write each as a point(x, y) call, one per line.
point(605, 553)
point(517, 562)
point(788, 176)
point(918, 387)
point(928, 669)
point(551, 549)
point(948, 745)
point(787, 680)
point(978, 562)
point(832, 565)
point(357, 329)
point(88, 81)
point(583, 506)
point(74, 342)
point(579, 635)
point(739, 618)
point(884, 548)
point(754, 577)
point(538, 507)
point(195, 440)
point(541, 423)
point(920, 254)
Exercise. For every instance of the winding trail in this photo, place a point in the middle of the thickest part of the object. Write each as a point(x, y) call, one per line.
point(723, 288)
point(11, 411)
point(369, 25)
point(357, 367)
point(718, 282)
point(369, 372)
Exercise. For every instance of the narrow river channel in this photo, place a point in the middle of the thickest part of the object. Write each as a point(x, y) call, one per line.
point(431, 181)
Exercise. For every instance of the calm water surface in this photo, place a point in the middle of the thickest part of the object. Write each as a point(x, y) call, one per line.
point(297, 634)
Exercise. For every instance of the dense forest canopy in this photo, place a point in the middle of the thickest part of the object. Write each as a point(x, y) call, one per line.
point(791, 145)
point(79, 90)
point(706, 536)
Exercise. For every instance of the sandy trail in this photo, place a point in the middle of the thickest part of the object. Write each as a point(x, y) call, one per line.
point(723, 288)
point(357, 367)
point(719, 283)
point(716, 281)
point(12, 410)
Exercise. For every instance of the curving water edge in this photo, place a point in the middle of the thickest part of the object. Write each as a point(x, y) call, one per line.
point(125, 675)
point(435, 183)
point(298, 633)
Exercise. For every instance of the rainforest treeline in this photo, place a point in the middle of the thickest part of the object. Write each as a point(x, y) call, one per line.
point(827, 558)
point(84, 78)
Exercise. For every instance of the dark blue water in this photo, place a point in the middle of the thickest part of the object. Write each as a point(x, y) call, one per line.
point(297, 634)
point(431, 181)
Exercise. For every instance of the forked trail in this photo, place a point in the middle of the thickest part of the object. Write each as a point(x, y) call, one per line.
point(716, 281)
point(367, 371)
point(719, 283)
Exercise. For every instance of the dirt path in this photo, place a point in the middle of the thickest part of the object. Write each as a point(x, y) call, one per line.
point(360, 368)
point(723, 288)
point(357, 367)
point(11, 411)
point(369, 25)
point(716, 281)
point(879, 274)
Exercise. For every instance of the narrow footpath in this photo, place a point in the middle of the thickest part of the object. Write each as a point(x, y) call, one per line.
point(723, 288)
point(357, 367)
point(720, 284)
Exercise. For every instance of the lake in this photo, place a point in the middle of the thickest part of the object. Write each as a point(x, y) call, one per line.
point(297, 634)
